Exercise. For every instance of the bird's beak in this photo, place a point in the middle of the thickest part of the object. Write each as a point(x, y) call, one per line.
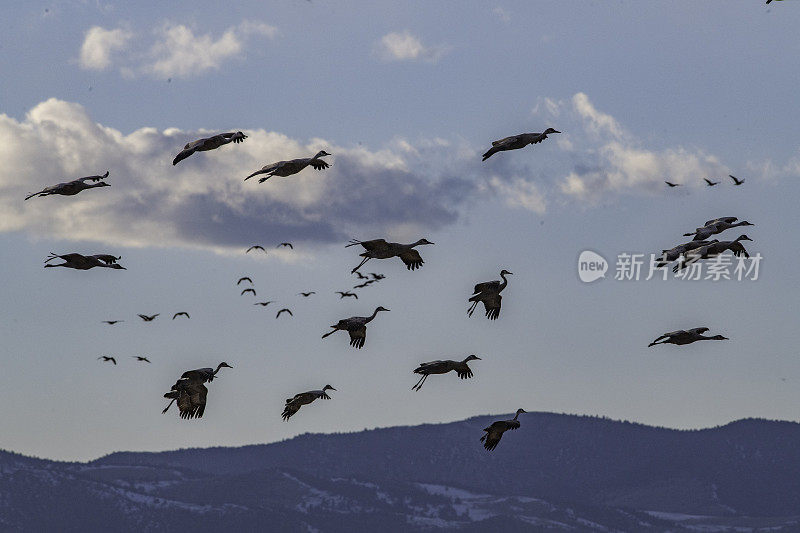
point(478, 358)
point(332, 388)
point(556, 131)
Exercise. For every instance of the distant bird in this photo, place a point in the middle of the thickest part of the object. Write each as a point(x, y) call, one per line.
point(140, 358)
point(84, 262)
point(683, 336)
point(106, 359)
point(443, 367)
point(244, 279)
point(489, 293)
point(256, 247)
point(285, 244)
point(718, 225)
point(710, 183)
point(736, 181)
point(209, 143)
point(304, 398)
point(284, 311)
point(356, 326)
point(495, 431)
point(263, 304)
point(672, 184)
point(149, 318)
point(306, 294)
point(182, 313)
point(377, 277)
point(365, 284)
point(667, 256)
point(293, 166)
point(380, 249)
point(190, 393)
point(360, 275)
point(248, 290)
point(516, 142)
point(71, 188)
point(344, 294)
point(112, 322)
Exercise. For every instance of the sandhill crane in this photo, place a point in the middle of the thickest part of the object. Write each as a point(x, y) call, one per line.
point(182, 313)
point(377, 277)
point(516, 142)
point(667, 256)
point(380, 249)
point(244, 279)
point(683, 336)
point(256, 247)
point(306, 294)
point(84, 262)
point(672, 184)
point(264, 304)
point(190, 392)
point(489, 293)
point(495, 431)
point(304, 398)
point(356, 326)
point(141, 359)
point(344, 294)
point(209, 143)
point(360, 275)
point(443, 367)
point(710, 183)
point(284, 310)
point(248, 290)
point(107, 358)
point(149, 318)
point(285, 245)
point(736, 181)
point(713, 249)
point(293, 166)
point(716, 226)
point(365, 284)
point(112, 322)
point(73, 187)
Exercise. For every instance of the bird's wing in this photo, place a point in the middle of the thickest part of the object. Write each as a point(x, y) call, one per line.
point(463, 371)
point(727, 220)
point(319, 164)
point(486, 286)
point(106, 258)
point(186, 152)
point(738, 249)
point(673, 333)
point(91, 178)
point(358, 335)
point(375, 244)
point(411, 258)
point(492, 438)
point(505, 141)
point(698, 331)
point(430, 366)
point(492, 302)
point(289, 409)
point(512, 424)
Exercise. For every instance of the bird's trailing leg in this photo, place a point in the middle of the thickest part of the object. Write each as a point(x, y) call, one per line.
point(418, 386)
point(265, 178)
point(168, 406)
point(472, 308)
point(334, 330)
point(360, 265)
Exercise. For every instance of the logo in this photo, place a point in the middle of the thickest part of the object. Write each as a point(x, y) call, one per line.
point(591, 266)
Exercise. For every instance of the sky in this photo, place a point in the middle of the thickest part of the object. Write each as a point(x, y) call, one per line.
point(406, 96)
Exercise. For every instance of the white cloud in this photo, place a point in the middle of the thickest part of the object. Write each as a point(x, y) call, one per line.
point(403, 46)
point(175, 50)
point(203, 202)
point(99, 44)
point(518, 192)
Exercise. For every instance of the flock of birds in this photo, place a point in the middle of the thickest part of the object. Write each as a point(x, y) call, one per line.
point(190, 391)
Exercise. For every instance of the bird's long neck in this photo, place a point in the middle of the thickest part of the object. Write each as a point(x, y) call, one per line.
point(516, 415)
point(372, 316)
point(217, 370)
point(505, 281)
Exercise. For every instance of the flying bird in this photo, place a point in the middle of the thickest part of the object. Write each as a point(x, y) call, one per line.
point(736, 181)
point(516, 142)
point(304, 398)
point(712, 227)
point(683, 336)
point(209, 143)
point(244, 279)
point(380, 249)
point(360, 275)
point(344, 294)
point(710, 183)
point(365, 284)
point(285, 244)
point(112, 322)
point(140, 358)
point(306, 294)
point(667, 256)
point(284, 310)
point(190, 393)
point(713, 249)
point(150, 318)
point(256, 247)
point(489, 293)
point(182, 313)
point(443, 367)
point(71, 188)
point(248, 290)
point(263, 304)
point(672, 184)
point(356, 326)
point(495, 431)
point(293, 166)
point(84, 262)
point(377, 277)
point(107, 358)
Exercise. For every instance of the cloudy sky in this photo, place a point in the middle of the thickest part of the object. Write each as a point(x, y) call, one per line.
point(406, 96)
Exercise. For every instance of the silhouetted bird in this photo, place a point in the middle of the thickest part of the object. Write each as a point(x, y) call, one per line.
point(112, 322)
point(256, 247)
point(182, 313)
point(443, 367)
point(711, 183)
point(149, 318)
point(209, 143)
point(304, 398)
point(306, 294)
point(285, 244)
point(263, 304)
point(190, 393)
point(84, 262)
point(106, 359)
point(140, 358)
point(356, 326)
point(284, 311)
point(672, 184)
point(683, 336)
point(380, 249)
point(736, 181)
point(516, 142)
point(293, 166)
point(347, 294)
point(360, 275)
point(248, 290)
point(489, 293)
point(71, 188)
point(244, 279)
point(495, 431)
